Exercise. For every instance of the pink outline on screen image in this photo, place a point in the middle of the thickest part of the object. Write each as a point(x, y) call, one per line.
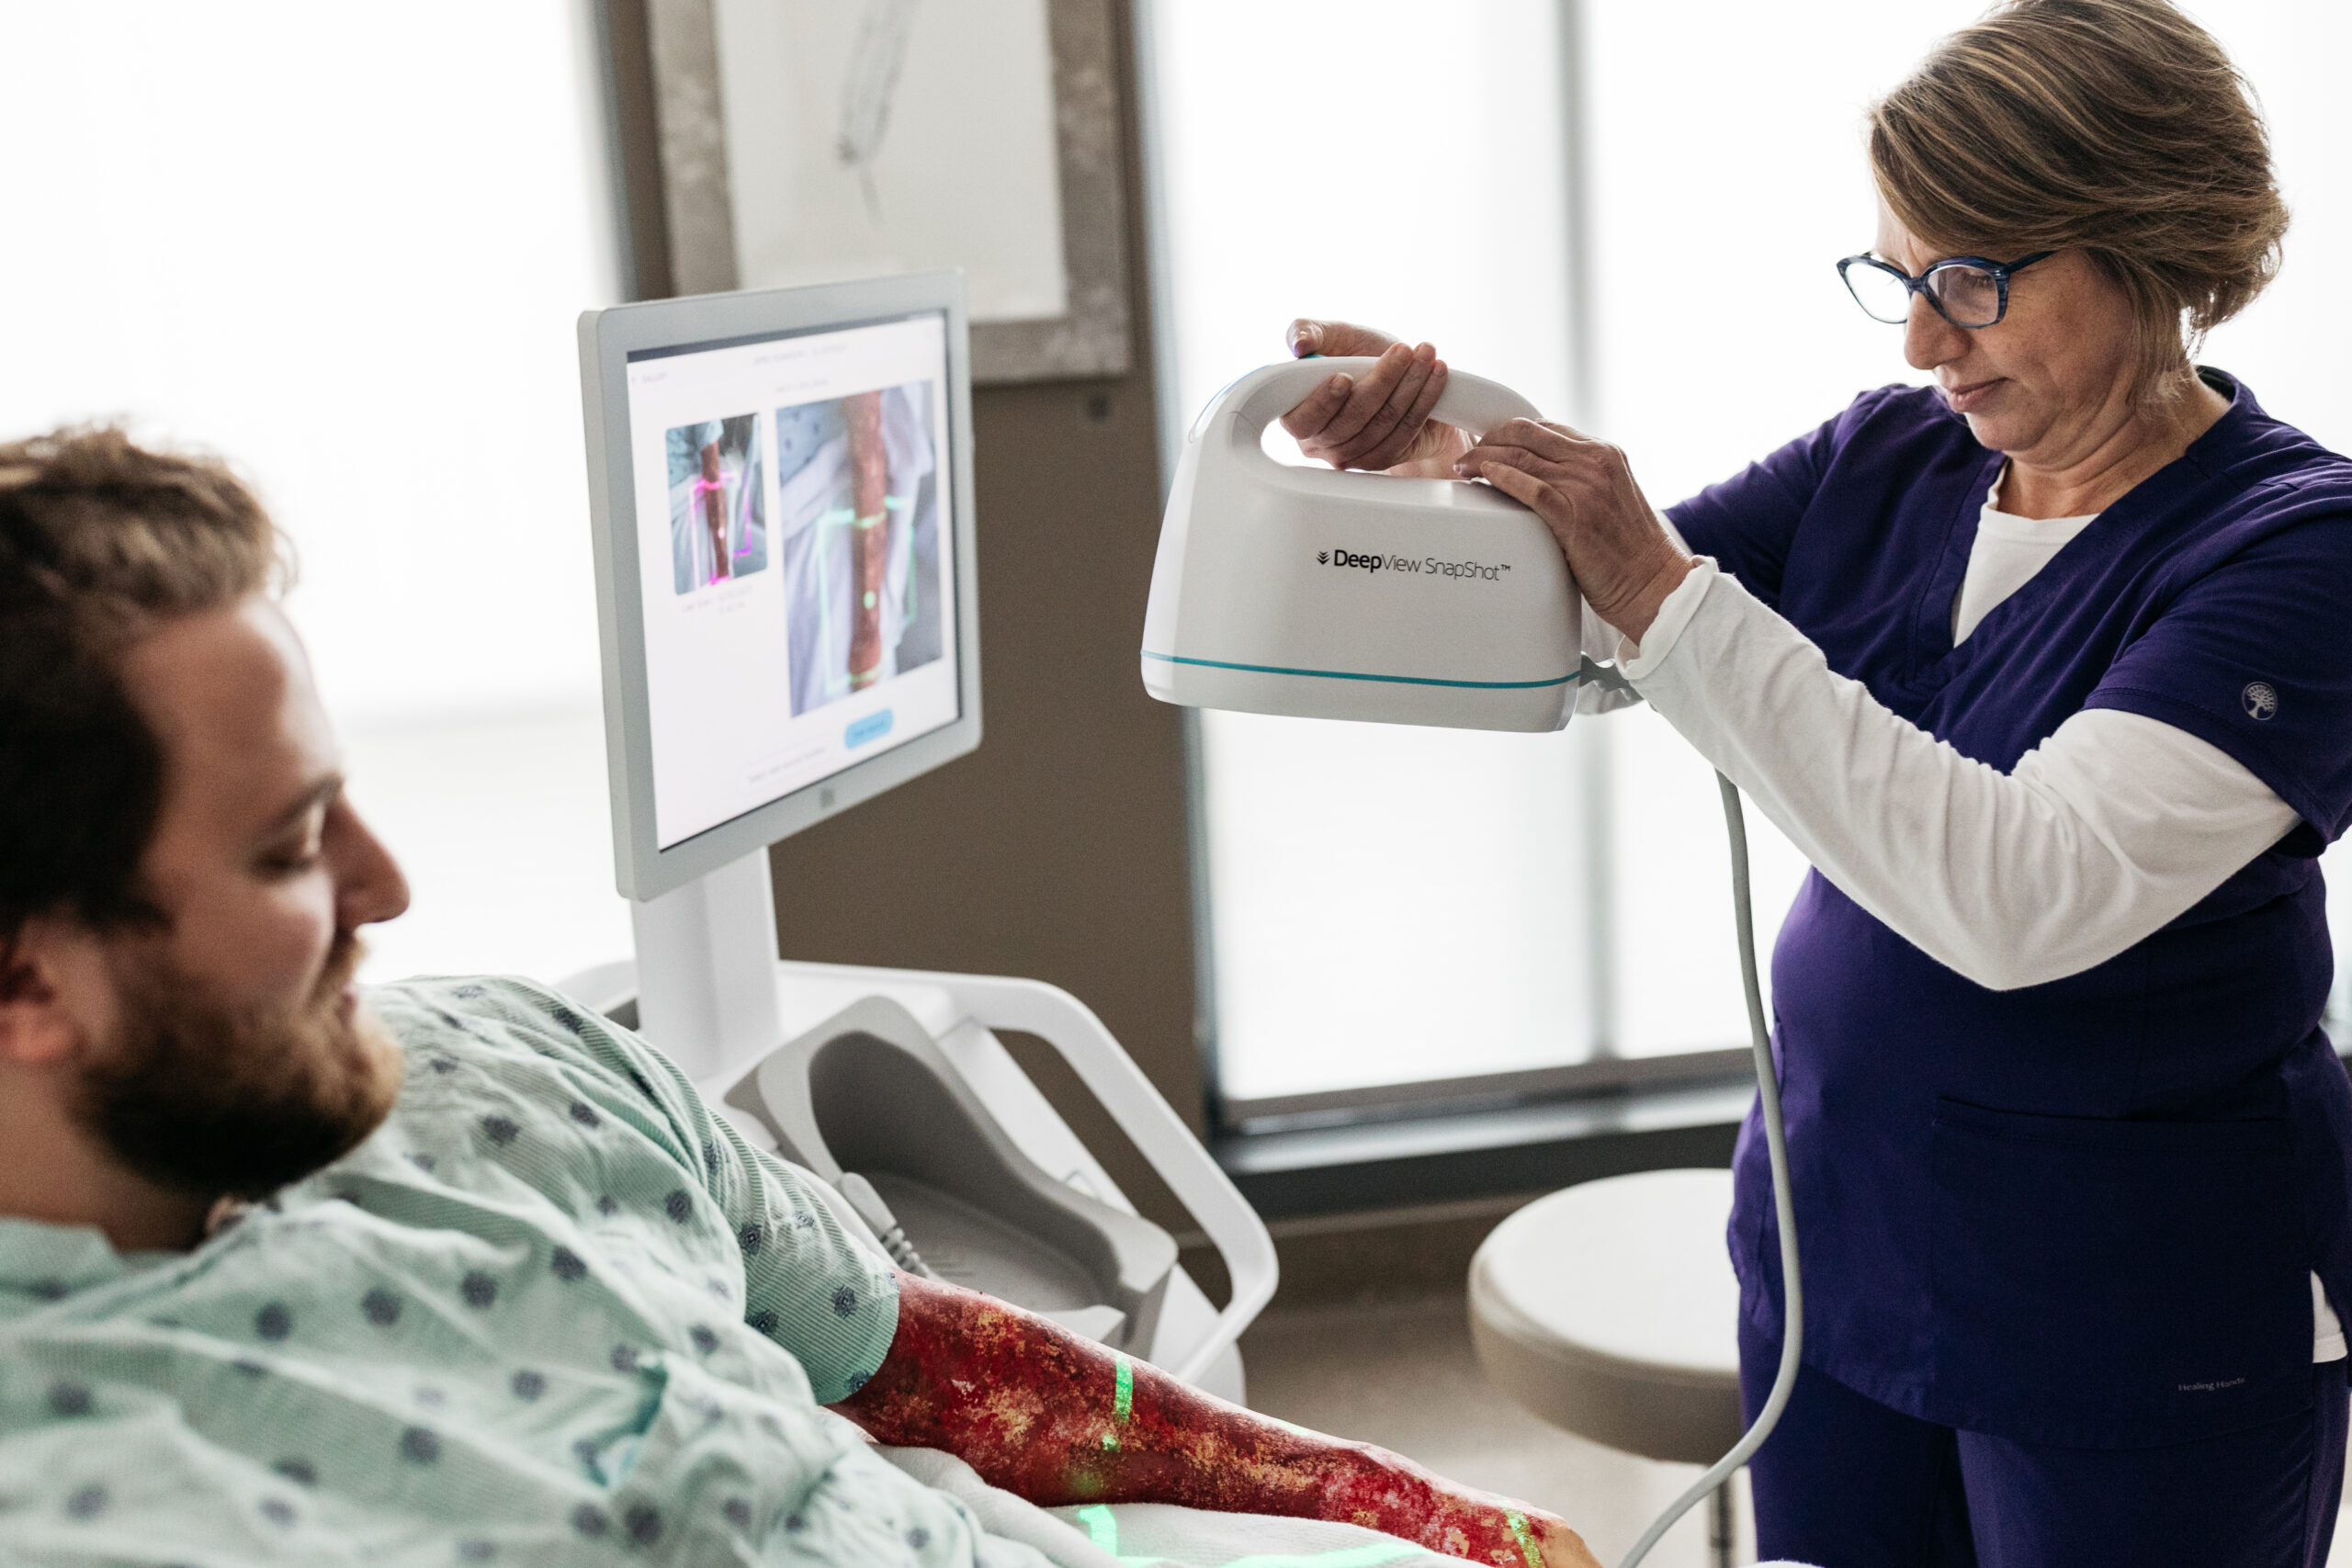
point(714, 513)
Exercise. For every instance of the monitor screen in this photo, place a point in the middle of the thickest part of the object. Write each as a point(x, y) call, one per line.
point(797, 559)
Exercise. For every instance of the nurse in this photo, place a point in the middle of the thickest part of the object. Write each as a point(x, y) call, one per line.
point(2047, 669)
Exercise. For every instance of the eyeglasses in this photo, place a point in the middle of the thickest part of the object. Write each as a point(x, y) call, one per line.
point(1967, 291)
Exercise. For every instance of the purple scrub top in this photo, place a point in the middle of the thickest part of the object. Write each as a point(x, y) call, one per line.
point(2082, 1212)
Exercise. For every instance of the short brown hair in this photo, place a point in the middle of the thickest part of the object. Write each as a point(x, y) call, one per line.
point(100, 541)
point(2116, 127)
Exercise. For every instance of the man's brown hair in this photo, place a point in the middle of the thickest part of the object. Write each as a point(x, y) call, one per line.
point(2116, 127)
point(100, 541)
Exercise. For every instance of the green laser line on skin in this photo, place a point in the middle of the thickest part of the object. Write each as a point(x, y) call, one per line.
point(1123, 1402)
point(1527, 1546)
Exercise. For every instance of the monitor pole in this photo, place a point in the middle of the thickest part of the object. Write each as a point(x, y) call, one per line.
point(705, 968)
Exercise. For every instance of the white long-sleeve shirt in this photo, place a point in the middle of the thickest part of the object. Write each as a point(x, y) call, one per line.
point(2099, 837)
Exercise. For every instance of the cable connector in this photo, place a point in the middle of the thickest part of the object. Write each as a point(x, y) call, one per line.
point(1607, 677)
point(883, 1222)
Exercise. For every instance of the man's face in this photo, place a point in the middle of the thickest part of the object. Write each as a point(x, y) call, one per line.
point(229, 1052)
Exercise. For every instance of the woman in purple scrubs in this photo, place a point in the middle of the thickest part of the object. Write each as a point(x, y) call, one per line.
point(2047, 668)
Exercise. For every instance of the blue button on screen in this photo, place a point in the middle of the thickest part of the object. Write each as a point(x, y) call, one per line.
point(873, 726)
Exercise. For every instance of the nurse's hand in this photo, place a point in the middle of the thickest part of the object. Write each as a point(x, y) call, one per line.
point(1381, 421)
point(1621, 555)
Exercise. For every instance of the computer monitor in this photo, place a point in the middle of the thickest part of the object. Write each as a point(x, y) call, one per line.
point(780, 484)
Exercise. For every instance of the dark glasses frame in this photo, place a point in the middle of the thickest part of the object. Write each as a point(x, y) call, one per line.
point(2001, 272)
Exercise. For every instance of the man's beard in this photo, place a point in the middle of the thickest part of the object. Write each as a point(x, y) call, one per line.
point(211, 1101)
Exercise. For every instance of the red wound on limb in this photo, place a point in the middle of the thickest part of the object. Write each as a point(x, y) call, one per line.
point(1048, 1414)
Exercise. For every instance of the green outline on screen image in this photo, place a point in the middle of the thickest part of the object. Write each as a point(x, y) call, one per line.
point(1570, 679)
point(847, 517)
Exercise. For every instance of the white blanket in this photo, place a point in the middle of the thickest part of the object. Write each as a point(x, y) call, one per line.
point(1142, 1535)
point(1159, 1535)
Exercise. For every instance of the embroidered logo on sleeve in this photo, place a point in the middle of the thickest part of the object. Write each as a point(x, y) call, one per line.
point(2259, 699)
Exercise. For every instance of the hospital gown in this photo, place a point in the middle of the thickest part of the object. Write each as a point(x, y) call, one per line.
point(553, 1312)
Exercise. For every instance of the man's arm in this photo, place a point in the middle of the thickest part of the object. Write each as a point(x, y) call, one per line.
point(1057, 1418)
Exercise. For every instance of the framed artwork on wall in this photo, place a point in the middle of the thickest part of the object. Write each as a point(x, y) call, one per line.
point(814, 141)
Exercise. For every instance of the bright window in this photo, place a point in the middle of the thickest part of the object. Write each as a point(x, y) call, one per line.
point(1535, 902)
point(1365, 929)
point(344, 246)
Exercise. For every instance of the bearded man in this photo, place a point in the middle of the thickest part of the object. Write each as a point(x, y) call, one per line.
point(452, 1272)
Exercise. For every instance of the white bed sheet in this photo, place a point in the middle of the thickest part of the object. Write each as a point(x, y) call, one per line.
point(1159, 1535)
point(1133, 1535)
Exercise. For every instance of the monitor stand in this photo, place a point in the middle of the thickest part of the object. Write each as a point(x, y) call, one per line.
point(711, 993)
point(706, 968)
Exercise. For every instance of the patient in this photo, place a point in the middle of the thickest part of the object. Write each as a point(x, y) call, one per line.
point(451, 1271)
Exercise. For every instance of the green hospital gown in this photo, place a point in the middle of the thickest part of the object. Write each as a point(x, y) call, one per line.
point(554, 1311)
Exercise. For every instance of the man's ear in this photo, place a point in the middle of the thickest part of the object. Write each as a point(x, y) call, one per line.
point(54, 988)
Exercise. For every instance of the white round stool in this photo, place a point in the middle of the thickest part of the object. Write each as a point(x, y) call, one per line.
point(1609, 1309)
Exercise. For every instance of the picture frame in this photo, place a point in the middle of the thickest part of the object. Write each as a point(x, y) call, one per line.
point(698, 228)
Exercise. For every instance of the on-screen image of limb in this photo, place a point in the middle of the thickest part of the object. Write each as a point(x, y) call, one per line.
point(712, 488)
point(869, 557)
point(1061, 1419)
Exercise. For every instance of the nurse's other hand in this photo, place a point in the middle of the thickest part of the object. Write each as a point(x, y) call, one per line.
point(1622, 557)
point(1382, 420)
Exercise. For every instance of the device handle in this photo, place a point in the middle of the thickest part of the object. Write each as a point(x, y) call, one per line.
point(1069, 1026)
point(1473, 403)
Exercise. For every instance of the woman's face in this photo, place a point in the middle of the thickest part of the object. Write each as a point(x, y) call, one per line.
point(2049, 382)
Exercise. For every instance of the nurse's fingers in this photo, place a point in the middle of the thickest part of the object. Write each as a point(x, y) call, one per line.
point(1400, 429)
point(1312, 413)
point(1335, 339)
point(1397, 429)
point(1308, 337)
point(1514, 476)
point(1360, 426)
point(1556, 442)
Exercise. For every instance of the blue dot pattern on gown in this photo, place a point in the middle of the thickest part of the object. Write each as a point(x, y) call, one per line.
point(554, 1310)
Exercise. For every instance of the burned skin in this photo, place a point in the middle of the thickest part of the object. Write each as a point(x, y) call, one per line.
point(1061, 1419)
